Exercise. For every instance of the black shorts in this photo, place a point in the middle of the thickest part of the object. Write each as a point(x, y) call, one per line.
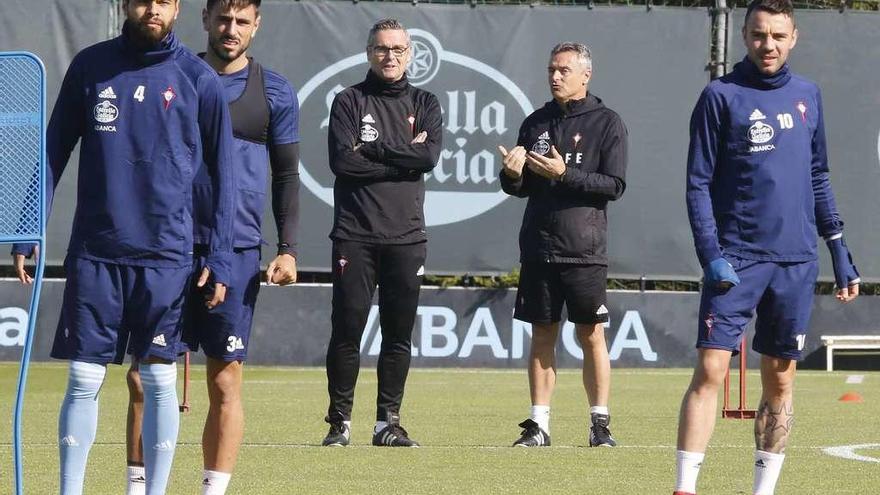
point(544, 287)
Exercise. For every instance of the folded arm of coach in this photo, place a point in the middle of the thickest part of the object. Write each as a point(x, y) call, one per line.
point(383, 159)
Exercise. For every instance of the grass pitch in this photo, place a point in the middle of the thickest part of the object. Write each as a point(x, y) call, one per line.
point(466, 420)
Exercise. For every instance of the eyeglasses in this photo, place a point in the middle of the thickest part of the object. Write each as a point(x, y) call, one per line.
point(383, 51)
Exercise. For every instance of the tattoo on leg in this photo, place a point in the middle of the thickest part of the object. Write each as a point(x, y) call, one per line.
point(773, 425)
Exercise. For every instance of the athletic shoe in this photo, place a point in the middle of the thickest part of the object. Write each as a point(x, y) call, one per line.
point(532, 435)
point(338, 436)
point(683, 493)
point(600, 436)
point(393, 435)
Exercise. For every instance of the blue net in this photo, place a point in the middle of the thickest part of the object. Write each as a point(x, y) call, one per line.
point(20, 147)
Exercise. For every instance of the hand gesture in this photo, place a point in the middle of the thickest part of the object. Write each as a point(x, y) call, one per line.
point(848, 293)
point(215, 298)
point(552, 167)
point(513, 161)
point(282, 270)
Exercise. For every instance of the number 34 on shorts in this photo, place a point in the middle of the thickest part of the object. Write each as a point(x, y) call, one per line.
point(234, 343)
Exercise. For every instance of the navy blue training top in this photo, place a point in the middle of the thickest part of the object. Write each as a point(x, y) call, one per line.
point(757, 174)
point(251, 158)
point(146, 119)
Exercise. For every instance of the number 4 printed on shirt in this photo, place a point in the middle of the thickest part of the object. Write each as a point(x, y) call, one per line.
point(139, 93)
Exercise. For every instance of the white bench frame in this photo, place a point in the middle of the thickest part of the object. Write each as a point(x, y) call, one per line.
point(847, 342)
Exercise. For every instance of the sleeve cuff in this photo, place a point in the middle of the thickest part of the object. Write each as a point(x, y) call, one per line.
point(220, 265)
point(286, 249)
point(24, 249)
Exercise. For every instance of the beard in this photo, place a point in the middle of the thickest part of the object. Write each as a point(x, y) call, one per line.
point(145, 35)
point(216, 45)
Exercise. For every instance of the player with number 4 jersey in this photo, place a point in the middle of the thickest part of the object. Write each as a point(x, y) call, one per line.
point(265, 118)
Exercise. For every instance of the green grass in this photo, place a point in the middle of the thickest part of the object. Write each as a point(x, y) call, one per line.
point(466, 419)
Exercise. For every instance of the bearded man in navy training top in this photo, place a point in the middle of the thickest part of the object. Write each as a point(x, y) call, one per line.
point(265, 123)
point(758, 191)
point(148, 114)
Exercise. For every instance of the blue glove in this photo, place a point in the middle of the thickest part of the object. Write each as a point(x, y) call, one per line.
point(845, 273)
point(720, 274)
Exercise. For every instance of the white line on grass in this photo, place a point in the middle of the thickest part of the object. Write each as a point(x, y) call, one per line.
point(848, 452)
point(442, 447)
point(855, 379)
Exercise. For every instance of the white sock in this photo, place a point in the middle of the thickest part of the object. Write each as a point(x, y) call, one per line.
point(214, 482)
point(541, 415)
point(687, 468)
point(598, 410)
point(767, 468)
point(380, 425)
point(347, 429)
point(136, 484)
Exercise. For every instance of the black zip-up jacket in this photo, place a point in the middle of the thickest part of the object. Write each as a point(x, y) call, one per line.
point(379, 192)
point(565, 220)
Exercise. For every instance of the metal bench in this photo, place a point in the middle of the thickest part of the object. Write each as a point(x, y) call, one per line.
point(847, 342)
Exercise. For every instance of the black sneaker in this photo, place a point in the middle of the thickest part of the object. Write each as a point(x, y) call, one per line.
point(600, 435)
point(338, 436)
point(532, 435)
point(393, 435)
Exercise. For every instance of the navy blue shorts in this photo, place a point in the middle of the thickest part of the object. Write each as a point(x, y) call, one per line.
point(109, 308)
point(782, 293)
point(545, 287)
point(223, 332)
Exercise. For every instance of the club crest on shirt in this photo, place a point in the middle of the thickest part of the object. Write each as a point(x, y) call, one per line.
point(802, 108)
point(168, 96)
point(543, 145)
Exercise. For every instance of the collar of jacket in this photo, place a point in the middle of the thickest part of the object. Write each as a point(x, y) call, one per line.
point(749, 74)
point(376, 85)
point(147, 55)
point(575, 107)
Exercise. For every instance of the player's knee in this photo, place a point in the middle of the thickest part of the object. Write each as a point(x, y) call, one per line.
point(709, 374)
point(225, 383)
point(135, 387)
point(543, 338)
point(591, 335)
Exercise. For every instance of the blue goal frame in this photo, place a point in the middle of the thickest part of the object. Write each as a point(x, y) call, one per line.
point(22, 113)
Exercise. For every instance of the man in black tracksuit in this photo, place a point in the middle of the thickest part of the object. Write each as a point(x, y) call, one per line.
point(384, 135)
point(570, 160)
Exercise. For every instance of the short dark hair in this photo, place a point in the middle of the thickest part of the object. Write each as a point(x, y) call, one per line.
point(784, 7)
point(238, 4)
point(388, 24)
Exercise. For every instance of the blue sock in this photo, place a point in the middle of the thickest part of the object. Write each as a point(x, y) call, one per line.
point(161, 422)
point(78, 422)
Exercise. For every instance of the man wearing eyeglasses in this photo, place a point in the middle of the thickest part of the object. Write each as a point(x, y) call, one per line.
point(384, 135)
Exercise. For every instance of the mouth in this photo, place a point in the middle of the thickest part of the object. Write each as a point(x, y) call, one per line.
point(229, 43)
